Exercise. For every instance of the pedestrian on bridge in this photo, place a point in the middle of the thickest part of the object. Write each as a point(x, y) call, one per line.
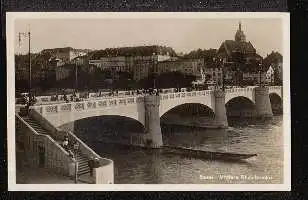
point(65, 144)
point(91, 165)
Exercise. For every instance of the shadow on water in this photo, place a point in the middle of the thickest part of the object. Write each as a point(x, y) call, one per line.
point(142, 165)
point(225, 160)
point(247, 121)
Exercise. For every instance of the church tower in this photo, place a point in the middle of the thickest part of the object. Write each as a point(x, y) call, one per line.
point(240, 36)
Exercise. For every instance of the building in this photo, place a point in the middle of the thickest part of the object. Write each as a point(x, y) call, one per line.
point(185, 66)
point(274, 60)
point(270, 75)
point(117, 64)
point(140, 61)
point(139, 66)
point(253, 78)
point(67, 54)
point(239, 55)
point(63, 72)
point(80, 60)
point(143, 66)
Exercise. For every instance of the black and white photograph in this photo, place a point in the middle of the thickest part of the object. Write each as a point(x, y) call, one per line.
point(135, 101)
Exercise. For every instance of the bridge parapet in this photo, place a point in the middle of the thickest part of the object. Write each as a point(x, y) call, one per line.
point(186, 94)
point(237, 90)
point(87, 105)
point(247, 92)
point(276, 89)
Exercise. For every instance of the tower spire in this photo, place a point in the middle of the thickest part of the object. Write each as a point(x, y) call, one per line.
point(240, 26)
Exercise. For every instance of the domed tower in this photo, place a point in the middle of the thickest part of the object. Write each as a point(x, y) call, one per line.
point(240, 36)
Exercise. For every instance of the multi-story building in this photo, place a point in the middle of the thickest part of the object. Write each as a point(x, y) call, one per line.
point(80, 60)
point(22, 72)
point(214, 74)
point(117, 64)
point(254, 77)
point(143, 66)
point(270, 75)
point(62, 72)
point(66, 54)
point(274, 60)
point(186, 66)
point(239, 54)
point(139, 66)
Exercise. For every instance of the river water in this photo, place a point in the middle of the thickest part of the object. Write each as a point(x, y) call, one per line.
point(138, 166)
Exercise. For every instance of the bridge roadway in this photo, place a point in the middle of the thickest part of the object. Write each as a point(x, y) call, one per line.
point(148, 109)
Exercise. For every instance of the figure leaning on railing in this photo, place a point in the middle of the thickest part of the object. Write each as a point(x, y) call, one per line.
point(93, 163)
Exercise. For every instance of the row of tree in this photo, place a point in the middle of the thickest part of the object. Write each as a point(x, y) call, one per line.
point(133, 51)
point(99, 79)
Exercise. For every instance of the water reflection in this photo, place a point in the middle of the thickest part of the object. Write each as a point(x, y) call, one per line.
point(136, 165)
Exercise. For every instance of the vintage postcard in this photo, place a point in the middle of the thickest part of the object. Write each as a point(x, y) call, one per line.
point(148, 101)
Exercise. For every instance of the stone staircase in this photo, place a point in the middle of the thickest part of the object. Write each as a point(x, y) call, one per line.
point(83, 168)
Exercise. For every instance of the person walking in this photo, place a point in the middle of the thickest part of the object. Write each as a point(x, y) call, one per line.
point(91, 165)
point(65, 143)
point(96, 163)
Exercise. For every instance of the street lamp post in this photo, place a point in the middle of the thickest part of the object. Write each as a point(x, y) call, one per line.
point(28, 34)
point(76, 79)
point(260, 69)
point(153, 71)
point(223, 75)
point(76, 72)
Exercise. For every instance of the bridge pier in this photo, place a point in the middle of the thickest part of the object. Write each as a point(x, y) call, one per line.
point(263, 103)
point(153, 136)
point(221, 120)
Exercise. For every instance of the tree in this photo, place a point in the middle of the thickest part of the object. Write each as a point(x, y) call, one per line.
point(167, 80)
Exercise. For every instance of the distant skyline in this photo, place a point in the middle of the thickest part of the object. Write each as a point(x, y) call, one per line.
point(183, 35)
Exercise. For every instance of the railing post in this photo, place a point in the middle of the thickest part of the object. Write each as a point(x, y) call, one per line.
point(220, 109)
point(42, 110)
point(152, 121)
point(262, 102)
point(85, 106)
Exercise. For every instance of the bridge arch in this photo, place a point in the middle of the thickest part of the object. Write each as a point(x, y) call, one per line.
point(276, 103)
point(274, 94)
point(167, 105)
point(240, 92)
point(240, 106)
point(117, 120)
point(191, 108)
point(105, 129)
point(59, 116)
point(189, 113)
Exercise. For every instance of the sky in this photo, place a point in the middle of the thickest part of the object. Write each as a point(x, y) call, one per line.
point(183, 35)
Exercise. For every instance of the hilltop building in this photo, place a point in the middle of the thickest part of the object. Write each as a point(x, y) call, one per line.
point(274, 60)
point(66, 54)
point(240, 59)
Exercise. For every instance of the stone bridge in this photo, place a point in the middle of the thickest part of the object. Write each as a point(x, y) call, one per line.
point(148, 109)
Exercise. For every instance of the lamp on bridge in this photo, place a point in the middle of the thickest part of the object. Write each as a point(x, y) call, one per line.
point(260, 71)
point(27, 34)
point(223, 74)
point(76, 71)
point(223, 60)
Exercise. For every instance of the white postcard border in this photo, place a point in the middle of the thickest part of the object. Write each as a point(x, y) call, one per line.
point(12, 186)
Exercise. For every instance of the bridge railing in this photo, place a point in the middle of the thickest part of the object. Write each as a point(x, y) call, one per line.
point(235, 90)
point(87, 105)
point(128, 100)
point(275, 87)
point(185, 94)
